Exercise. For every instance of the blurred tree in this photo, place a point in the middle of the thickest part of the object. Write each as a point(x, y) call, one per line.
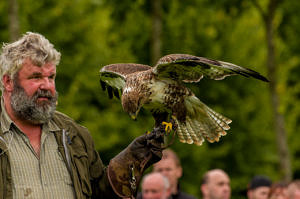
point(156, 9)
point(279, 123)
point(288, 31)
point(14, 28)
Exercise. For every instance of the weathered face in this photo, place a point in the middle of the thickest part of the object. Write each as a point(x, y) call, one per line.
point(34, 97)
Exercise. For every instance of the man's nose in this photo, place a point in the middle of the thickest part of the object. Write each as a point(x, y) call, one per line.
point(164, 172)
point(226, 188)
point(46, 83)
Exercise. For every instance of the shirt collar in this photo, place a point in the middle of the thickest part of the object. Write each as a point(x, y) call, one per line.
point(4, 118)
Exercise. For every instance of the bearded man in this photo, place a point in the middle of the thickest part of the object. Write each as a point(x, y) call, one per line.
point(44, 153)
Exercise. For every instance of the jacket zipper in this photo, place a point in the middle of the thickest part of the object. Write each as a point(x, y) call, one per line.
point(67, 154)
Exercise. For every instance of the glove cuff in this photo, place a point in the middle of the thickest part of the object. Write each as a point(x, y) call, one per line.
point(125, 173)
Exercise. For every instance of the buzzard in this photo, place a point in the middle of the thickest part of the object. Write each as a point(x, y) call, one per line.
point(160, 89)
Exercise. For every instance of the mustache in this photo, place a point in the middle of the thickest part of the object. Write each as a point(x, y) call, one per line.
point(44, 93)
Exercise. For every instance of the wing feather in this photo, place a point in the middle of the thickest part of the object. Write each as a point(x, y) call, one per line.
point(113, 77)
point(189, 68)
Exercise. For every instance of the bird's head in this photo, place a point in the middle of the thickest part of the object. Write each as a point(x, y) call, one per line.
point(132, 103)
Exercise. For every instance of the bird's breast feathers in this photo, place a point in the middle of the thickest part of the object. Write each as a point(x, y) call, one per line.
point(127, 89)
point(158, 91)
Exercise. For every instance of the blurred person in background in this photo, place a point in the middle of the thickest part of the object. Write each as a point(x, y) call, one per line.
point(293, 190)
point(215, 185)
point(259, 187)
point(155, 186)
point(170, 167)
point(278, 191)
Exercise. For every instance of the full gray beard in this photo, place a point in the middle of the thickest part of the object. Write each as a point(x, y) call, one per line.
point(29, 109)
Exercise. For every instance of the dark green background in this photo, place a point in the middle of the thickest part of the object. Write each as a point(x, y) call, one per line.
point(93, 33)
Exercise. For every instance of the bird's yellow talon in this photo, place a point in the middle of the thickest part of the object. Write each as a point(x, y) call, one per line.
point(168, 126)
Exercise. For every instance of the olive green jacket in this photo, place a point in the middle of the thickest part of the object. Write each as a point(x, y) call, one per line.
point(77, 148)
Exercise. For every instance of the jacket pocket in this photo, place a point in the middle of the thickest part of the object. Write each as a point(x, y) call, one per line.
point(82, 167)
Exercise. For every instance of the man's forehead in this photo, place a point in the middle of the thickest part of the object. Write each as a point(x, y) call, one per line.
point(262, 189)
point(165, 163)
point(218, 177)
point(154, 180)
point(28, 65)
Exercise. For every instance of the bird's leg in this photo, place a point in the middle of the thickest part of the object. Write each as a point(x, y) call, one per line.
point(168, 126)
point(174, 125)
point(156, 136)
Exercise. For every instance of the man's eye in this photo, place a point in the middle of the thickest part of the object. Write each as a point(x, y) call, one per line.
point(52, 77)
point(35, 77)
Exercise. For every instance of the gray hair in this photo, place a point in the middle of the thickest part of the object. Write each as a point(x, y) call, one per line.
point(32, 45)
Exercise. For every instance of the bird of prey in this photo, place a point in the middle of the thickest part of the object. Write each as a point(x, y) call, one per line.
point(160, 89)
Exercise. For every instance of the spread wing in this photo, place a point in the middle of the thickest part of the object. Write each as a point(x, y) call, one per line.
point(113, 76)
point(189, 68)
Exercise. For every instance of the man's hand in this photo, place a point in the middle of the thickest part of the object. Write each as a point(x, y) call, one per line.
point(126, 169)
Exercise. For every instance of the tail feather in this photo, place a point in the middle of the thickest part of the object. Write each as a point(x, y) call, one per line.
point(212, 129)
point(187, 134)
point(220, 119)
point(198, 139)
point(201, 123)
point(222, 126)
point(179, 131)
point(191, 136)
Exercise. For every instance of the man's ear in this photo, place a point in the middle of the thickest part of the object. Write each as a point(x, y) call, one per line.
point(203, 188)
point(179, 172)
point(7, 83)
point(249, 194)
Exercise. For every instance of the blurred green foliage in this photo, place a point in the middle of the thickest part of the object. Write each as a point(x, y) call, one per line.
point(93, 33)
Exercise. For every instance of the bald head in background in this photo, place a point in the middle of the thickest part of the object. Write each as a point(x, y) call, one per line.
point(215, 185)
point(293, 190)
point(155, 186)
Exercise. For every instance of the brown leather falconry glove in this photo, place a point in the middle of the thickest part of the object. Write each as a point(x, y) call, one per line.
point(126, 169)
